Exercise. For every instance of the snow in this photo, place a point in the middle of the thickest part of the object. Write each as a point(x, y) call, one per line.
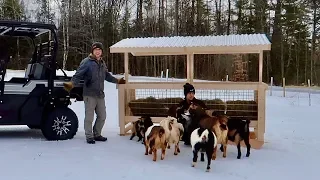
point(290, 151)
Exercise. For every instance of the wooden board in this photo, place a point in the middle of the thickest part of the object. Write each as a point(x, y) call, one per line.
point(255, 144)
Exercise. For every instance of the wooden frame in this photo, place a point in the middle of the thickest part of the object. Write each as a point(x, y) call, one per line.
point(125, 90)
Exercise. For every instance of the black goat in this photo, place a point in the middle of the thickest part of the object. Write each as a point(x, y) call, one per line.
point(239, 131)
point(140, 126)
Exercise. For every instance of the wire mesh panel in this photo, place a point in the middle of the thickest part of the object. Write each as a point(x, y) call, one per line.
point(156, 102)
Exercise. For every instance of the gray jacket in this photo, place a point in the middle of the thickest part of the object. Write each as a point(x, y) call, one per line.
point(94, 73)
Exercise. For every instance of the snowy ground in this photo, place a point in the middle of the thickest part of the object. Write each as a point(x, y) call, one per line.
point(290, 152)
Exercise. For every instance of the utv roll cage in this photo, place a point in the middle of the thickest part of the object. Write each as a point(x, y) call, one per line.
point(43, 64)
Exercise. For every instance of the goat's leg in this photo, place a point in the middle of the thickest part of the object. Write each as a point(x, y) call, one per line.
point(195, 157)
point(163, 151)
point(221, 148)
point(132, 136)
point(214, 153)
point(209, 153)
point(154, 154)
point(140, 138)
point(176, 148)
point(202, 157)
point(247, 142)
point(237, 141)
point(147, 148)
point(224, 150)
point(239, 150)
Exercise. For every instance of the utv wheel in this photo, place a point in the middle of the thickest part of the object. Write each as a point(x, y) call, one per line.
point(60, 124)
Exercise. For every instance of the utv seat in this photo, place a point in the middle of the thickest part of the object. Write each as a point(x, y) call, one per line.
point(37, 71)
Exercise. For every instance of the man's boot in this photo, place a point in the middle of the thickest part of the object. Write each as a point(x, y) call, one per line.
point(91, 141)
point(100, 138)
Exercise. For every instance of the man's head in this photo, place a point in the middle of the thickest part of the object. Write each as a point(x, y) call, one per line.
point(97, 49)
point(189, 91)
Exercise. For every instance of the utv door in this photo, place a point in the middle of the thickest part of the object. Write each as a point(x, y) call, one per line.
point(7, 110)
point(20, 102)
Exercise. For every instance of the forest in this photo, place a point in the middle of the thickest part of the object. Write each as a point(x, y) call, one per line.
point(291, 25)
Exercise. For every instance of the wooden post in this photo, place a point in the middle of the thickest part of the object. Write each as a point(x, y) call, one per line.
point(126, 67)
point(261, 102)
point(121, 108)
point(123, 95)
point(188, 68)
point(261, 113)
point(191, 68)
point(260, 66)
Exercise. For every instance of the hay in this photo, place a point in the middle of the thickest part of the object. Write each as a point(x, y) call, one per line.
point(241, 108)
point(215, 104)
point(152, 106)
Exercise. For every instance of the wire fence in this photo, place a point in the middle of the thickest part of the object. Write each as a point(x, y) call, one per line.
point(300, 96)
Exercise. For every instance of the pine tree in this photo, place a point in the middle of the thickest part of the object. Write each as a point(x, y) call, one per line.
point(11, 9)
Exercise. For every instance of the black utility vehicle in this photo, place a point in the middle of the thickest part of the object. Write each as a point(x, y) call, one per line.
point(37, 100)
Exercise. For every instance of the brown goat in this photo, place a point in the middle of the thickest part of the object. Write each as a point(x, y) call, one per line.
point(218, 124)
point(221, 130)
point(155, 139)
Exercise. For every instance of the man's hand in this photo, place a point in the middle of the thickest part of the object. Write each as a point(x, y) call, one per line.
point(68, 86)
point(121, 81)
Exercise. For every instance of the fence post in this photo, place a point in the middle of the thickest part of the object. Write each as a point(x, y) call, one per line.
point(284, 86)
point(167, 75)
point(271, 84)
point(309, 89)
point(161, 76)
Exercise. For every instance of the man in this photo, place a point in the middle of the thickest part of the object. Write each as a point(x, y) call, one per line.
point(94, 72)
point(189, 92)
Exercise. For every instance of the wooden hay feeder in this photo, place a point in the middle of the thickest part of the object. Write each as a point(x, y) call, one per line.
point(252, 106)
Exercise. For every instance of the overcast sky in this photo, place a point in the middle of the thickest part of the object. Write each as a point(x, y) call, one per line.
point(32, 5)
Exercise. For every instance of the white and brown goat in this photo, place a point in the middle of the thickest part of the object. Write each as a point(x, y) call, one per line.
point(155, 138)
point(174, 131)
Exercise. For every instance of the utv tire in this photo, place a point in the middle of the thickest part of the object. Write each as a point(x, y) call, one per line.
point(60, 124)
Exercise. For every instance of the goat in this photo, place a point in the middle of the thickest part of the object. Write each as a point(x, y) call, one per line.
point(221, 130)
point(173, 132)
point(238, 130)
point(203, 140)
point(217, 124)
point(136, 129)
point(140, 126)
point(155, 138)
point(191, 121)
point(172, 111)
